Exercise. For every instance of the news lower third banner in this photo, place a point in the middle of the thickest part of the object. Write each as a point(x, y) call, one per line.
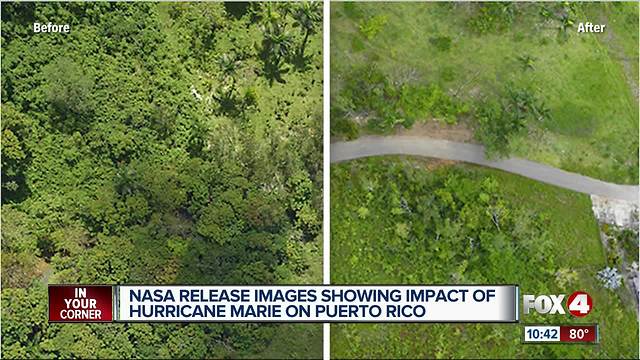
point(283, 303)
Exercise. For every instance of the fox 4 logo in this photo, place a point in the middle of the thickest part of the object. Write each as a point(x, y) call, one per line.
point(579, 304)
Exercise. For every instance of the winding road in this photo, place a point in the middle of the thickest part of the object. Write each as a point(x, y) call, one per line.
point(471, 153)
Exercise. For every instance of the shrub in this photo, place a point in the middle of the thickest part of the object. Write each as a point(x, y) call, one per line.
point(442, 43)
point(498, 122)
point(357, 44)
point(342, 126)
point(492, 17)
point(368, 90)
point(372, 26)
point(68, 91)
point(351, 10)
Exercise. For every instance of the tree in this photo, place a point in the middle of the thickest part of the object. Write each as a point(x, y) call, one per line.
point(17, 129)
point(276, 47)
point(277, 41)
point(307, 16)
point(24, 321)
point(68, 90)
point(219, 223)
point(495, 128)
point(301, 204)
point(498, 122)
point(566, 22)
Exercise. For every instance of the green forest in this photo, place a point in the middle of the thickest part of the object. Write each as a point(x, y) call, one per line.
point(516, 77)
point(403, 220)
point(159, 143)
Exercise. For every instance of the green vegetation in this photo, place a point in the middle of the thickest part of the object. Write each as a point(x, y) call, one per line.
point(497, 123)
point(159, 143)
point(386, 104)
point(372, 26)
point(476, 55)
point(623, 246)
point(396, 220)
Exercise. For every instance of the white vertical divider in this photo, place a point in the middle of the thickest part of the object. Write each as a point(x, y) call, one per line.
point(326, 141)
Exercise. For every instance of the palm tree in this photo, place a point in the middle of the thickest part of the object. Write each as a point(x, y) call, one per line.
point(541, 111)
point(566, 22)
point(226, 92)
point(228, 65)
point(276, 47)
point(508, 11)
point(270, 14)
point(277, 42)
point(545, 13)
point(307, 16)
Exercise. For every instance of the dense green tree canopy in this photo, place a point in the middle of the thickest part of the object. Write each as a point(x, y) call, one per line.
point(156, 143)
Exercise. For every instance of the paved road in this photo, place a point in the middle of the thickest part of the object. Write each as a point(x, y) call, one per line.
point(449, 150)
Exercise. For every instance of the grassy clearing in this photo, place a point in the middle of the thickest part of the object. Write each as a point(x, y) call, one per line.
point(586, 80)
point(552, 246)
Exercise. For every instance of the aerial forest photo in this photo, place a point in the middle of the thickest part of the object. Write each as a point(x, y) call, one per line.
point(159, 143)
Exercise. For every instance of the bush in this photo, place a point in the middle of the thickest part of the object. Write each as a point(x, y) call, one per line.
point(492, 17)
point(357, 44)
point(341, 126)
point(442, 43)
point(68, 91)
point(367, 90)
point(372, 26)
point(498, 122)
point(351, 10)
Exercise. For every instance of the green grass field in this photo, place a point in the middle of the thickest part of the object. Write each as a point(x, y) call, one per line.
point(587, 81)
point(400, 220)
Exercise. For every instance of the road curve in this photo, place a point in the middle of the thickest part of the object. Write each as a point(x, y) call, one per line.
point(443, 149)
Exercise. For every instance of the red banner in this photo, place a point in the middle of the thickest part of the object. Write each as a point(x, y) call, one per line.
point(80, 303)
point(579, 333)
